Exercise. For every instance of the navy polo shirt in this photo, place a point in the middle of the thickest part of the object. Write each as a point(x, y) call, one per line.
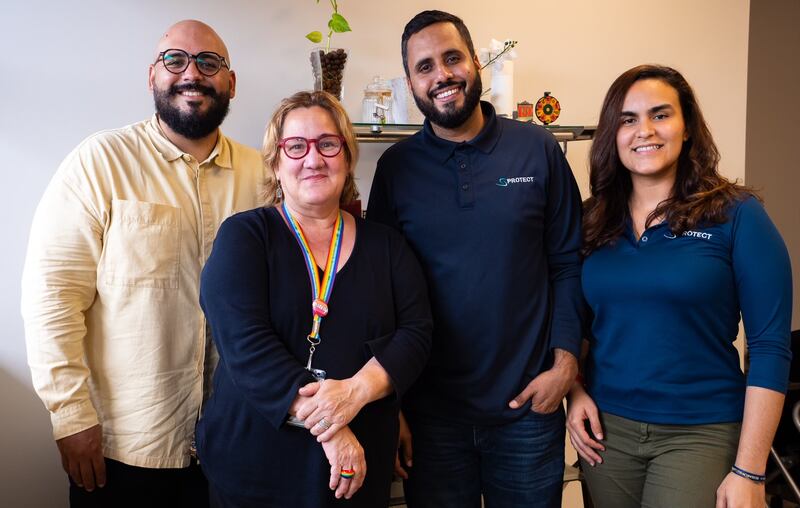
point(495, 222)
point(666, 311)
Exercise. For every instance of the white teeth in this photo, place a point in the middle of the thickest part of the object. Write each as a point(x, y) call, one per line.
point(448, 93)
point(191, 94)
point(647, 148)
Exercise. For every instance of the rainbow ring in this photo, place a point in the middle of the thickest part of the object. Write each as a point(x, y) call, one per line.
point(347, 473)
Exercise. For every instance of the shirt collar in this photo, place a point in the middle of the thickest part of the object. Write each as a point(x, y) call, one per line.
point(485, 141)
point(220, 155)
point(628, 232)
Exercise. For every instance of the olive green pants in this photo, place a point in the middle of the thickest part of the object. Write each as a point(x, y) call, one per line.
point(661, 466)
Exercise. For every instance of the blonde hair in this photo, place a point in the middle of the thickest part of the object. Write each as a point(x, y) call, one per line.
point(271, 152)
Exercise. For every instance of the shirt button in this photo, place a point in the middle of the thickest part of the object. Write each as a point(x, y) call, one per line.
point(463, 166)
point(465, 187)
point(644, 238)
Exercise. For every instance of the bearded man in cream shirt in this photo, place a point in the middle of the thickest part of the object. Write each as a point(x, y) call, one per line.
point(117, 342)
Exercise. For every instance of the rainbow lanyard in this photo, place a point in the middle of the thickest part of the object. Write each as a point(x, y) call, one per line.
point(320, 290)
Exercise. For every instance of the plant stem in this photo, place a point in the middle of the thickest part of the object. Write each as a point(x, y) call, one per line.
point(508, 46)
point(330, 34)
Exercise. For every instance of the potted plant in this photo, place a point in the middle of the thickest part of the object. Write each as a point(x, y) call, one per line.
point(328, 64)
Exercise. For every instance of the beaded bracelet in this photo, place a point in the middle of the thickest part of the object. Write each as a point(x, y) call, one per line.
point(758, 478)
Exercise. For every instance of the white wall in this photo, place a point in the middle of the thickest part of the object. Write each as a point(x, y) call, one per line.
point(72, 68)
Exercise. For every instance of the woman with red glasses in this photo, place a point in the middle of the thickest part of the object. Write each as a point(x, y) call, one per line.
point(321, 320)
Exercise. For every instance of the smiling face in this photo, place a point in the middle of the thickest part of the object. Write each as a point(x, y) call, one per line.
point(444, 78)
point(311, 181)
point(651, 130)
point(191, 103)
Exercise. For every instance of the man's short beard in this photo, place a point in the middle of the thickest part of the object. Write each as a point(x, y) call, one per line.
point(451, 117)
point(192, 124)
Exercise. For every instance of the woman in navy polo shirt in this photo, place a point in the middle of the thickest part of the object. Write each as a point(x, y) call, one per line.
point(675, 253)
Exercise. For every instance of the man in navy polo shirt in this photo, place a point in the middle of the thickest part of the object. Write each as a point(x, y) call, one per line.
point(491, 208)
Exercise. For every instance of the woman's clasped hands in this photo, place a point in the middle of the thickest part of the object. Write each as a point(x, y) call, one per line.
point(327, 407)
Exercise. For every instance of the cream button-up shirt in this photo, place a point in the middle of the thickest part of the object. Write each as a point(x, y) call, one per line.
point(110, 289)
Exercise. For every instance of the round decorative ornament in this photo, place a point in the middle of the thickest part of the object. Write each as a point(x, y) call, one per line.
point(320, 308)
point(547, 109)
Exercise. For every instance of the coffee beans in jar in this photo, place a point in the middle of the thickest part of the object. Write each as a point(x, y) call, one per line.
point(332, 65)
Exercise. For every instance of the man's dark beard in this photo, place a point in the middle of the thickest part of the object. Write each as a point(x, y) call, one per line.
point(451, 117)
point(192, 125)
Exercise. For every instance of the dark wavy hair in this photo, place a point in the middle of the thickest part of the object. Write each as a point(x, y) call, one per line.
point(700, 195)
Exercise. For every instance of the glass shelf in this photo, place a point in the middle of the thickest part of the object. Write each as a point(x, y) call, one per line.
point(393, 132)
point(384, 133)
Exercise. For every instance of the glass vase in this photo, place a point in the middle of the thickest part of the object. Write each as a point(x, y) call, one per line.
point(327, 67)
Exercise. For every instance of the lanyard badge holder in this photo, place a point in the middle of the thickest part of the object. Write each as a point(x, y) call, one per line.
point(320, 309)
point(320, 290)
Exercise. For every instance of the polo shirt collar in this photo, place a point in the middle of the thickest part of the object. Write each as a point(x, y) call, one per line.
point(631, 236)
point(485, 141)
point(220, 155)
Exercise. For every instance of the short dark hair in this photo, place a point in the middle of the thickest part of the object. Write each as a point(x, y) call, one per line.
point(427, 18)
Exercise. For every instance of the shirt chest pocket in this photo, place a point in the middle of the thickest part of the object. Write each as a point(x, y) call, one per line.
point(141, 247)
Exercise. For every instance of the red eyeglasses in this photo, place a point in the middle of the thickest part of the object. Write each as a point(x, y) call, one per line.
point(328, 145)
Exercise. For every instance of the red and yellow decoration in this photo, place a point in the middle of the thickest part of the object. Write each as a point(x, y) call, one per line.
point(547, 109)
point(524, 111)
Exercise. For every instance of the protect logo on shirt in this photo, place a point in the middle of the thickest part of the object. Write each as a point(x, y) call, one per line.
point(690, 233)
point(505, 182)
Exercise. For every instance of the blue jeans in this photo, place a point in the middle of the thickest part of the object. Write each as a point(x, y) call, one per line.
point(515, 464)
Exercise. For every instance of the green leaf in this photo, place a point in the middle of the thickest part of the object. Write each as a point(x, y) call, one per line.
point(338, 24)
point(315, 37)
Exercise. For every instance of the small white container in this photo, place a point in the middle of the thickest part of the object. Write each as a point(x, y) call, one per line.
point(377, 104)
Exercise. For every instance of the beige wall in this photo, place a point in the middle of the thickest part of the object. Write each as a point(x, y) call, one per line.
point(773, 121)
point(576, 48)
point(82, 66)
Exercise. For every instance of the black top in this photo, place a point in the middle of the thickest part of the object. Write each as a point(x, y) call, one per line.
point(495, 222)
point(256, 295)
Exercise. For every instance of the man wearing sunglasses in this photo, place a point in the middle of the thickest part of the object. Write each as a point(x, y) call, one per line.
point(117, 342)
